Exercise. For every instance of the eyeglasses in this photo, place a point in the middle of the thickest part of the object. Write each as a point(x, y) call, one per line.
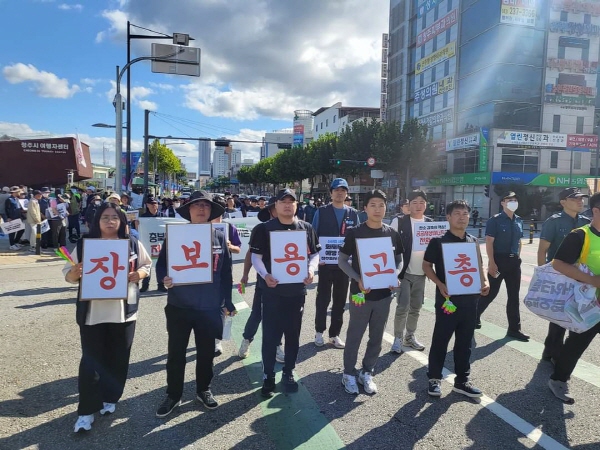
point(200, 205)
point(107, 219)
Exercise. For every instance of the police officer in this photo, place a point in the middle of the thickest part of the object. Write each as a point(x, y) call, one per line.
point(554, 231)
point(283, 304)
point(332, 220)
point(503, 233)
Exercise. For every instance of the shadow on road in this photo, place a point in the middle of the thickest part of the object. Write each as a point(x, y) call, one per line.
point(31, 292)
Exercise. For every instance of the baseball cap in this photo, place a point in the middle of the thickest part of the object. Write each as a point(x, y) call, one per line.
point(414, 194)
point(90, 188)
point(509, 194)
point(571, 192)
point(339, 182)
point(286, 193)
point(45, 190)
point(150, 200)
point(265, 213)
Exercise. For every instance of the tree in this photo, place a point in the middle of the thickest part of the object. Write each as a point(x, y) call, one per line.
point(354, 143)
point(168, 163)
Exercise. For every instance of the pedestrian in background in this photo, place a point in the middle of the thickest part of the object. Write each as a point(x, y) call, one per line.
point(14, 211)
point(34, 218)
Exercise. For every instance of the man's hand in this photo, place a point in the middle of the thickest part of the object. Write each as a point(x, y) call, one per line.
point(168, 282)
point(444, 290)
point(492, 269)
point(134, 277)
point(309, 279)
point(229, 313)
point(271, 282)
point(362, 287)
point(244, 279)
point(485, 289)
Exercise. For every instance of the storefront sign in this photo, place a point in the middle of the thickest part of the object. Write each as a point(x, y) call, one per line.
point(518, 12)
point(582, 141)
point(570, 100)
point(426, 6)
point(572, 65)
point(438, 27)
point(471, 140)
point(556, 140)
point(575, 28)
point(463, 179)
point(438, 118)
point(439, 87)
point(577, 6)
point(436, 57)
point(298, 135)
point(570, 89)
point(538, 179)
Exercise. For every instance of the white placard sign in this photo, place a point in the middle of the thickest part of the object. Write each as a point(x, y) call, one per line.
point(45, 226)
point(461, 266)
point(152, 231)
point(289, 256)
point(223, 227)
point(330, 249)
point(105, 269)
point(24, 203)
point(13, 226)
point(132, 215)
point(63, 209)
point(377, 262)
point(190, 253)
point(244, 226)
point(234, 215)
point(423, 232)
point(252, 214)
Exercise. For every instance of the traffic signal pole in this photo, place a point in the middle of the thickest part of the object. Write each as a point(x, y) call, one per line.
point(146, 151)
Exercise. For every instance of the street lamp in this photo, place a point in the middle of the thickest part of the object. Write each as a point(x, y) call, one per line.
point(105, 125)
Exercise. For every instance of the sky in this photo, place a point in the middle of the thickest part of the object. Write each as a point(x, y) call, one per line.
point(260, 61)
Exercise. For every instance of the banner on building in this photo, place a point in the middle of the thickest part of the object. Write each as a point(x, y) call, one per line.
point(518, 12)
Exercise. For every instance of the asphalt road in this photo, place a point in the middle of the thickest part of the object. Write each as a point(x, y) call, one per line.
point(38, 386)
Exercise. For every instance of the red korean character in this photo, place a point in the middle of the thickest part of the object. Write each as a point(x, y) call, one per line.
point(378, 270)
point(291, 254)
point(107, 282)
point(192, 254)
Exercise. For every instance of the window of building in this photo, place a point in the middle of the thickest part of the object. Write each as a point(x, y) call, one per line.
point(445, 101)
point(466, 161)
point(326, 122)
point(577, 160)
point(561, 52)
point(424, 22)
point(434, 46)
point(436, 12)
point(447, 68)
point(564, 16)
point(321, 125)
point(444, 130)
point(422, 51)
point(554, 160)
point(449, 5)
point(421, 108)
point(433, 74)
point(587, 19)
point(556, 124)
point(317, 128)
point(422, 79)
point(519, 161)
point(431, 104)
point(579, 128)
point(334, 117)
point(448, 36)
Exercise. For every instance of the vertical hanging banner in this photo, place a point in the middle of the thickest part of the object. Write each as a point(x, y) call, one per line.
point(190, 253)
point(289, 256)
point(377, 262)
point(484, 149)
point(105, 269)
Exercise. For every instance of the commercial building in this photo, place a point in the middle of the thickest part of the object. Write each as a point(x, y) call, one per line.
point(276, 141)
point(335, 118)
point(508, 89)
point(204, 157)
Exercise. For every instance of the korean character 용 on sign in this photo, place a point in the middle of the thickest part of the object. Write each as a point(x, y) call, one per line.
point(289, 256)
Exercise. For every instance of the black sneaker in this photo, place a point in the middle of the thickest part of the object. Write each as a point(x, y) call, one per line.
point(467, 389)
point(435, 388)
point(207, 399)
point(161, 288)
point(268, 387)
point(290, 384)
point(518, 335)
point(144, 288)
point(167, 407)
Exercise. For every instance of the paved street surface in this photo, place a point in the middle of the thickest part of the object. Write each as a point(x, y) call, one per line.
point(40, 355)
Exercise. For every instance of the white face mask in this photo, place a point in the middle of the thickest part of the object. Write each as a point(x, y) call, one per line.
point(512, 205)
point(97, 203)
point(176, 205)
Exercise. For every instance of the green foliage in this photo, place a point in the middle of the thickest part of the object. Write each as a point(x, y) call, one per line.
point(168, 163)
point(354, 144)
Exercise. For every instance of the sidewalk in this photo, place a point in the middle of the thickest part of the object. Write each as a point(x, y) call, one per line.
point(24, 256)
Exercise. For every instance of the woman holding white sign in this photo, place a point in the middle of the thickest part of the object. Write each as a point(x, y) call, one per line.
point(106, 327)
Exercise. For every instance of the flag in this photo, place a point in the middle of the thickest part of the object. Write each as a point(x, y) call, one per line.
point(79, 152)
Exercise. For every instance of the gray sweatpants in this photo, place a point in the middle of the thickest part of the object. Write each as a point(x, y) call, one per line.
point(410, 302)
point(373, 314)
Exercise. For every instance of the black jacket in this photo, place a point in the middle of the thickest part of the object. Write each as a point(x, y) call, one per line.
point(406, 235)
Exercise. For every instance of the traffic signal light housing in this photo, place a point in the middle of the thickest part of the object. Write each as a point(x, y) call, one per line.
point(156, 178)
point(486, 191)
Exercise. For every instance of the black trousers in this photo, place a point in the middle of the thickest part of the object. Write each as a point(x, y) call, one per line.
point(105, 349)
point(281, 315)
point(255, 318)
point(510, 272)
point(14, 238)
point(461, 323)
point(73, 221)
point(207, 326)
point(331, 276)
point(554, 341)
point(574, 347)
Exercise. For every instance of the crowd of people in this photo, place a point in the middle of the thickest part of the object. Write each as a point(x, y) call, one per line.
point(110, 325)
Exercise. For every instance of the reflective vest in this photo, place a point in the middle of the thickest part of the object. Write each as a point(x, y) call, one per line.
point(590, 253)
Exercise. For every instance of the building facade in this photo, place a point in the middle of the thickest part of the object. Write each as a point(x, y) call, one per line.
point(203, 157)
point(335, 118)
point(275, 142)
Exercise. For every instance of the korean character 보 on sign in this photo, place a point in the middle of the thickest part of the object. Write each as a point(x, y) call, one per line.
point(285, 256)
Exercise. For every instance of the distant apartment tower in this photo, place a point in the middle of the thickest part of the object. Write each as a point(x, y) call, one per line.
point(276, 141)
point(221, 161)
point(334, 119)
point(203, 157)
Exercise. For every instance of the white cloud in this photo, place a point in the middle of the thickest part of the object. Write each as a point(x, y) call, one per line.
point(90, 81)
point(146, 104)
point(162, 86)
point(45, 84)
point(118, 24)
point(139, 96)
point(66, 7)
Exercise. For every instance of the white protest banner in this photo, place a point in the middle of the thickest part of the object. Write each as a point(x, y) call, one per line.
point(234, 215)
point(105, 269)
point(423, 232)
point(252, 214)
point(244, 226)
point(137, 200)
point(63, 209)
point(330, 249)
point(289, 256)
point(152, 232)
point(13, 226)
point(190, 253)
point(45, 226)
point(51, 213)
point(461, 266)
point(377, 262)
point(24, 203)
point(132, 215)
point(223, 227)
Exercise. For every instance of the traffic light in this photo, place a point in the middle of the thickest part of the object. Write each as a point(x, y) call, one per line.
point(338, 162)
point(156, 178)
point(486, 191)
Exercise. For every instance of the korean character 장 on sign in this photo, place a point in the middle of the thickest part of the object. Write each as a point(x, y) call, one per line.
point(377, 262)
point(289, 256)
point(105, 269)
point(462, 268)
point(190, 253)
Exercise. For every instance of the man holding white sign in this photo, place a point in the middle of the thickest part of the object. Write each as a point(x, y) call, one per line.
point(369, 307)
point(331, 223)
point(277, 250)
point(457, 314)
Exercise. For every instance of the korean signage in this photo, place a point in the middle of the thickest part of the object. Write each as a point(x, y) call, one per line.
point(518, 12)
point(483, 149)
point(330, 249)
point(461, 267)
point(385, 42)
point(105, 269)
point(578, 29)
point(461, 180)
point(423, 7)
point(582, 141)
point(152, 231)
point(424, 232)
point(471, 140)
point(436, 57)
point(298, 135)
point(538, 179)
point(570, 89)
point(572, 65)
point(570, 100)
point(577, 6)
point(556, 140)
point(289, 256)
point(438, 27)
point(437, 118)
point(377, 262)
point(12, 227)
point(190, 253)
point(439, 87)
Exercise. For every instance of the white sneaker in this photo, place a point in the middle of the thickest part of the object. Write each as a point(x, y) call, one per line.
point(18, 246)
point(319, 341)
point(280, 355)
point(244, 349)
point(397, 346)
point(337, 342)
point(366, 379)
point(32, 249)
point(218, 347)
point(84, 423)
point(109, 408)
point(14, 247)
point(349, 383)
point(411, 341)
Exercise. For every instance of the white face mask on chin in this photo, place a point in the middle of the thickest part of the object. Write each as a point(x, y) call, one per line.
point(512, 205)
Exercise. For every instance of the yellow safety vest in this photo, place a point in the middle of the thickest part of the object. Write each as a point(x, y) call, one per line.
point(590, 253)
